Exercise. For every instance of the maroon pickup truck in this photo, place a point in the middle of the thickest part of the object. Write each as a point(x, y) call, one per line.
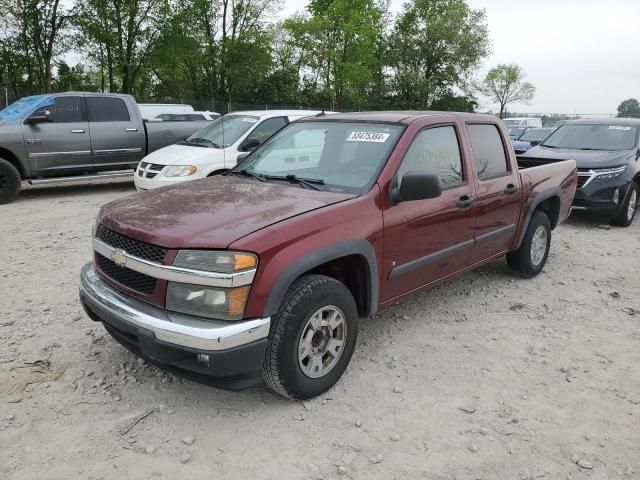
point(262, 273)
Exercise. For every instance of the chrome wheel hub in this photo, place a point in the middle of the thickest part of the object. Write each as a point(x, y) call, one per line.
point(633, 201)
point(538, 245)
point(322, 341)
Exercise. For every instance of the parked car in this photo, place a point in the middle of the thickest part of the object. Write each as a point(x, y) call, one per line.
point(530, 138)
point(515, 132)
point(154, 110)
point(264, 271)
point(607, 153)
point(214, 149)
point(523, 122)
point(193, 116)
point(74, 136)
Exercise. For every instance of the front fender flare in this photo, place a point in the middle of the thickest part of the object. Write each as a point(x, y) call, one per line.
point(318, 257)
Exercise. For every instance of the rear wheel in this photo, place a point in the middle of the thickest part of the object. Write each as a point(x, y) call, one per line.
point(629, 207)
point(530, 258)
point(312, 338)
point(9, 182)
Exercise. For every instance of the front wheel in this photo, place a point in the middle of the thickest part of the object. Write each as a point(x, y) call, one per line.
point(629, 208)
point(9, 182)
point(312, 338)
point(529, 259)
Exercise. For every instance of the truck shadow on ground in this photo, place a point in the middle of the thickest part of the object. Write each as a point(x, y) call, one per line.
point(68, 192)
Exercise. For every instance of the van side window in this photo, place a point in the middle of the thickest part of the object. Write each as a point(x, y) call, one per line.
point(488, 151)
point(435, 150)
point(268, 128)
point(106, 109)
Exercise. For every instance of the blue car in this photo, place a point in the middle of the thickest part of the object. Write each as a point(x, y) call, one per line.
point(530, 138)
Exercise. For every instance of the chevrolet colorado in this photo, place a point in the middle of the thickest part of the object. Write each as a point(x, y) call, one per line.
point(67, 137)
point(263, 272)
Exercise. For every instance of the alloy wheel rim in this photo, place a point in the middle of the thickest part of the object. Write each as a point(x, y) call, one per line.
point(538, 245)
point(322, 341)
point(631, 208)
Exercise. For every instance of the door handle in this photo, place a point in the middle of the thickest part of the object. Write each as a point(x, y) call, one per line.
point(130, 129)
point(511, 188)
point(465, 201)
point(79, 130)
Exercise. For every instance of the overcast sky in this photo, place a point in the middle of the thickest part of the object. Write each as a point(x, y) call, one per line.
point(583, 56)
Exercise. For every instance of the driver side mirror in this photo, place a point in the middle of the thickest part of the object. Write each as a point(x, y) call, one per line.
point(39, 116)
point(417, 186)
point(250, 144)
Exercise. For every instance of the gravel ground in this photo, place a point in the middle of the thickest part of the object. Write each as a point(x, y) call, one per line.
point(485, 377)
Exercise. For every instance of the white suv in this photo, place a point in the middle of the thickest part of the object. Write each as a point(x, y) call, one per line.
point(213, 149)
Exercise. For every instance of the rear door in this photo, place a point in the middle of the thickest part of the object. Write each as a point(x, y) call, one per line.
point(116, 136)
point(63, 144)
point(497, 192)
point(427, 240)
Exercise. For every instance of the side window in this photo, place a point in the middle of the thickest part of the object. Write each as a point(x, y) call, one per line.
point(435, 150)
point(268, 128)
point(195, 117)
point(106, 109)
point(65, 110)
point(488, 151)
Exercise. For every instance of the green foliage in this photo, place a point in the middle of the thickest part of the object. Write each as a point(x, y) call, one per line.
point(629, 108)
point(505, 84)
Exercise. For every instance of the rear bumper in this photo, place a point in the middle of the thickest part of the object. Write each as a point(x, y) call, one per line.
point(224, 354)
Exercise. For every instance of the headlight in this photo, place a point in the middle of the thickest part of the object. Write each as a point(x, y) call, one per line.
point(607, 173)
point(219, 261)
point(180, 171)
point(211, 302)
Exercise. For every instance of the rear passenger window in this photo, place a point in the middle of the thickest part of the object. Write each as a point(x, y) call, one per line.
point(488, 151)
point(268, 128)
point(435, 150)
point(105, 109)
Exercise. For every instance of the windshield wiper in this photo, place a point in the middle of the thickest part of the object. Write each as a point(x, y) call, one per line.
point(203, 140)
point(548, 146)
point(246, 173)
point(307, 182)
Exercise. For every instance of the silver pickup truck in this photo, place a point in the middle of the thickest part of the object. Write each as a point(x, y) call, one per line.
point(77, 136)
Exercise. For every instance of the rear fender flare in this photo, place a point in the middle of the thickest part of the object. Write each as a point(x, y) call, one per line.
point(539, 198)
point(318, 257)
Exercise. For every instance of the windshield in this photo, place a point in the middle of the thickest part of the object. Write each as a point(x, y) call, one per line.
point(339, 156)
point(593, 137)
point(224, 131)
point(535, 134)
point(25, 105)
point(516, 131)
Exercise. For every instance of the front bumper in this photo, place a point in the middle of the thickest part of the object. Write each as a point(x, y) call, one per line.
point(596, 197)
point(225, 354)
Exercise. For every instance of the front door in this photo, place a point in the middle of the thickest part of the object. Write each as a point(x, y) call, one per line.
point(61, 145)
point(497, 193)
point(117, 138)
point(426, 240)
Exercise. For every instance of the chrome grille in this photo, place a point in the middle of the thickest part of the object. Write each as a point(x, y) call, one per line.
point(149, 170)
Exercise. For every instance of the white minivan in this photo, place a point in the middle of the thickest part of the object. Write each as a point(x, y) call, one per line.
point(523, 122)
point(213, 149)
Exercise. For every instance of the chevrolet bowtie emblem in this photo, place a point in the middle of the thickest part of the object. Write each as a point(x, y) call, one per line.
point(119, 258)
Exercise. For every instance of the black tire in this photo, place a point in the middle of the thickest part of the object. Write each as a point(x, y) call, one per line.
point(521, 261)
point(9, 182)
point(626, 216)
point(282, 371)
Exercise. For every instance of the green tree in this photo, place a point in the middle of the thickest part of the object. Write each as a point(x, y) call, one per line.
point(629, 108)
point(505, 84)
point(434, 47)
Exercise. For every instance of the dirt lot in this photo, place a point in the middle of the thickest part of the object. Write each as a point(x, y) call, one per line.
point(486, 377)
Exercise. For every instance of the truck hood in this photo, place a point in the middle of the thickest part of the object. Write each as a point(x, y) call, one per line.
point(212, 212)
point(184, 155)
point(583, 158)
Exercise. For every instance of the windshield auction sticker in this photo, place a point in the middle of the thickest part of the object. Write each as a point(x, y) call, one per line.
point(616, 127)
point(375, 137)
